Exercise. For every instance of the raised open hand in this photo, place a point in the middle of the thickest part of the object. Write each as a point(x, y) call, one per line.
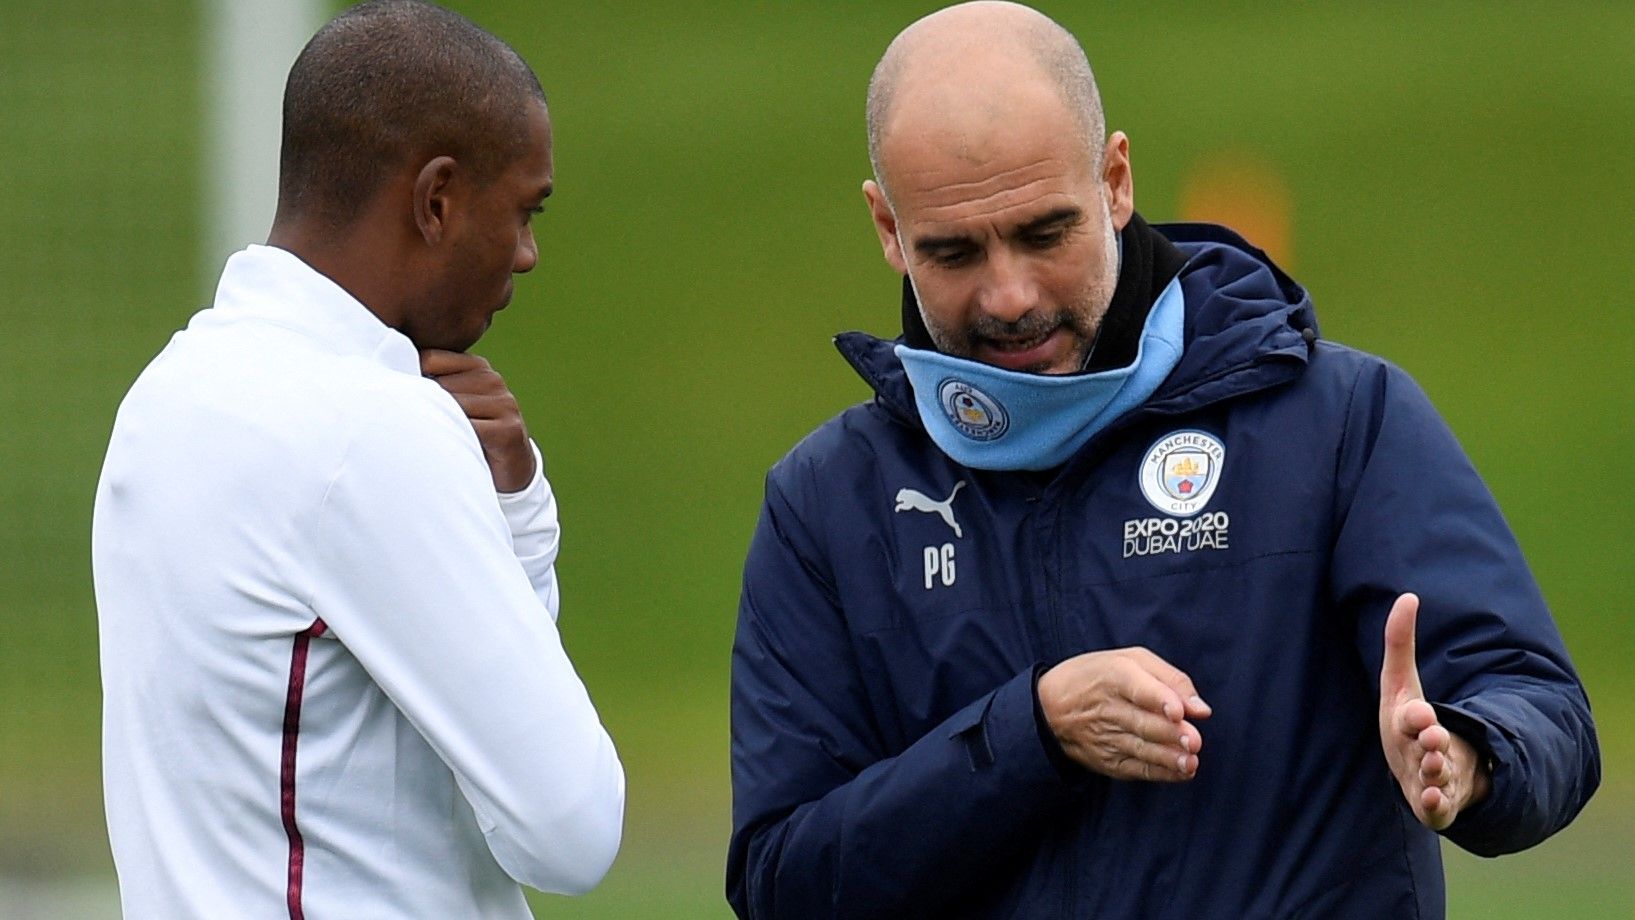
point(1439, 772)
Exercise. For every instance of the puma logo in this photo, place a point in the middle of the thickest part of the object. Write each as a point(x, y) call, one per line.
point(915, 500)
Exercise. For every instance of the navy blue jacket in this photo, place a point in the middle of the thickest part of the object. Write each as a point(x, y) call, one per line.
point(887, 755)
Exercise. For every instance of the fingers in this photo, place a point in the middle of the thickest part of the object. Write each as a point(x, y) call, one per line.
point(460, 373)
point(1152, 695)
point(1121, 713)
point(1435, 766)
point(1182, 700)
point(476, 381)
point(1433, 770)
point(1399, 672)
point(486, 406)
point(435, 362)
point(1439, 791)
point(1153, 729)
point(1438, 773)
point(1433, 738)
point(1127, 756)
point(491, 408)
point(1450, 776)
point(474, 384)
point(1415, 717)
point(1416, 744)
point(1435, 774)
point(1437, 808)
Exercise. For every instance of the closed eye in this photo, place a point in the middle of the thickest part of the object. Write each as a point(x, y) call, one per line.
point(1044, 240)
point(953, 258)
point(1050, 229)
point(946, 251)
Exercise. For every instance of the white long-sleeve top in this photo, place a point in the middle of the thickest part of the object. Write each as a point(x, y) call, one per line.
point(332, 680)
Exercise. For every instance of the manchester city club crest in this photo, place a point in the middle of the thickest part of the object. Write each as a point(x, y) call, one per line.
point(1179, 472)
point(972, 412)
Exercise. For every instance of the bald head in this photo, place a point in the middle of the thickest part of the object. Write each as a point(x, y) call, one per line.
point(966, 69)
point(388, 85)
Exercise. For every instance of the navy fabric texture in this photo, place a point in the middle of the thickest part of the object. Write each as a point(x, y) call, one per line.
point(887, 754)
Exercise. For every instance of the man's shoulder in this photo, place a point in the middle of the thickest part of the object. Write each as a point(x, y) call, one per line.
point(1339, 358)
point(1358, 374)
point(847, 442)
point(272, 396)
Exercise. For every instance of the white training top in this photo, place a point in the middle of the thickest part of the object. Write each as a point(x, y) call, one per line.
point(332, 681)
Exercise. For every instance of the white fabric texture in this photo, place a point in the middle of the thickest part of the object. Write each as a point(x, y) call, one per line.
point(282, 462)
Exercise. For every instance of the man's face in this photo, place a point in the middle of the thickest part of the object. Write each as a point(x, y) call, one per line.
point(490, 239)
point(1010, 241)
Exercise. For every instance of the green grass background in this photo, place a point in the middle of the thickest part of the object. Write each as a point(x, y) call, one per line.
point(1461, 183)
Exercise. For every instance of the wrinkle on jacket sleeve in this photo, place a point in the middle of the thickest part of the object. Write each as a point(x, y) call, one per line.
point(1416, 517)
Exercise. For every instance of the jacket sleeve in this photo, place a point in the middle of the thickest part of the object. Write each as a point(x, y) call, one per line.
point(826, 821)
point(535, 533)
point(1416, 517)
point(418, 577)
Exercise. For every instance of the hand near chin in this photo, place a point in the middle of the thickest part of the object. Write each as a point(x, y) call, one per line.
point(492, 409)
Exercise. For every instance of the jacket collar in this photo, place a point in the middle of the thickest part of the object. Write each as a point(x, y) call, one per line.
point(273, 285)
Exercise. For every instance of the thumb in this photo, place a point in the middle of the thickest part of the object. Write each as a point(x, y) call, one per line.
point(1399, 674)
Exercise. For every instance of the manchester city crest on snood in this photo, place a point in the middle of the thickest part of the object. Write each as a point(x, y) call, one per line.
point(1180, 471)
point(972, 412)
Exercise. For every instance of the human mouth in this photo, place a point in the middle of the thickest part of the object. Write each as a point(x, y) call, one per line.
point(1039, 353)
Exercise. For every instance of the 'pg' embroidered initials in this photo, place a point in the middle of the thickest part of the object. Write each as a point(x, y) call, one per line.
point(939, 565)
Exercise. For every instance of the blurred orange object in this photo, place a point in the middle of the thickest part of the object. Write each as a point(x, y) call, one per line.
point(1244, 191)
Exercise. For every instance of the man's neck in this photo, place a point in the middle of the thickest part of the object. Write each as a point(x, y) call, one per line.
point(348, 258)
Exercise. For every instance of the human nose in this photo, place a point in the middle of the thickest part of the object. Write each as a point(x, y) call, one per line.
point(1008, 291)
point(527, 255)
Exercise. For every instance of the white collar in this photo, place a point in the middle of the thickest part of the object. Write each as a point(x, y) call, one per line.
point(274, 285)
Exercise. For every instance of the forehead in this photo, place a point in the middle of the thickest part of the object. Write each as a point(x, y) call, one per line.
point(952, 159)
point(534, 165)
point(933, 184)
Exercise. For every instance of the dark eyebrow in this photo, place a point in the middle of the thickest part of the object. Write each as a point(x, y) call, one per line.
point(1068, 214)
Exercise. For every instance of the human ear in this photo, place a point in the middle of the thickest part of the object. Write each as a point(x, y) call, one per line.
point(1116, 179)
point(885, 224)
point(431, 198)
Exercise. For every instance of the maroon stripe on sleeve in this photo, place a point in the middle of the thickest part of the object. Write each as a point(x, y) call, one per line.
point(286, 773)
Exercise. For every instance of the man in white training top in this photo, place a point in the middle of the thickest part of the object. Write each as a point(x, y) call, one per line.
point(324, 545)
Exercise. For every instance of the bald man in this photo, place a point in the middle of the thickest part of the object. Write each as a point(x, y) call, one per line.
point(324, 547)
point(1127, 596)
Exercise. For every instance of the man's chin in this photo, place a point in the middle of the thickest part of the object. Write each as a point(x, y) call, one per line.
point(448, 341)
point(471, 339)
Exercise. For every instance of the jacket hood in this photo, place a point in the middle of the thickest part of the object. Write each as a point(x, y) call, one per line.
point(1248, 326)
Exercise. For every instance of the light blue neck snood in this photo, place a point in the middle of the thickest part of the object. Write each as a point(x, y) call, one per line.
point(990, 418)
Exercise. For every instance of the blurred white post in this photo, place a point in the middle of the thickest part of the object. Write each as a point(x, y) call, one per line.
point(249, 47)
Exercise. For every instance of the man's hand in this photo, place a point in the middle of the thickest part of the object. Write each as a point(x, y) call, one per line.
point(488, 403)
point(1438, 771)
point(1123, 713)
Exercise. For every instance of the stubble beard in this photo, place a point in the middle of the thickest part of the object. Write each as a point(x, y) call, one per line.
point(1082, 317)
